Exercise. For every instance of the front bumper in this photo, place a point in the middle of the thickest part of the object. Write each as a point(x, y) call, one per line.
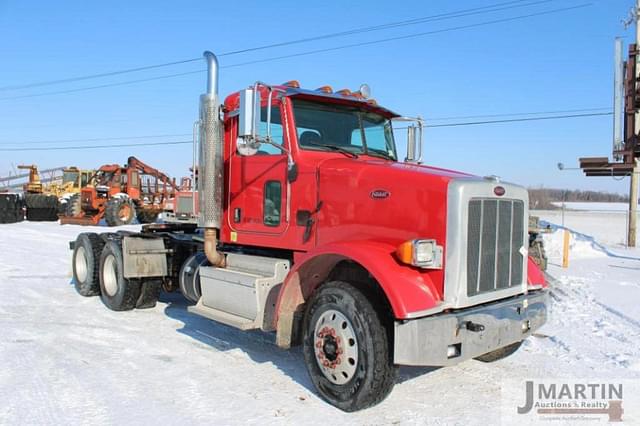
point(450, 338)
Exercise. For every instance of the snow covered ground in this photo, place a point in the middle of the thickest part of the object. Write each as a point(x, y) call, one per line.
point(68, 360)
point(607, 226)
point(593, 206)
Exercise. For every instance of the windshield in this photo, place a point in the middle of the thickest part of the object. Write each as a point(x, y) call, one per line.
point(69, 176)
point(328, 127)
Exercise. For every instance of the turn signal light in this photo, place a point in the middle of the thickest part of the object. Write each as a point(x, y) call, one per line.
point(421, 253)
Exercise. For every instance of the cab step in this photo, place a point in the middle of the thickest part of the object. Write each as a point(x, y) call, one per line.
point(244, 293)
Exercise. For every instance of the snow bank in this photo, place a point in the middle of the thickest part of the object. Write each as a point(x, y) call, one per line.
point(580, 246)
point(607, 227)
point(619, 207)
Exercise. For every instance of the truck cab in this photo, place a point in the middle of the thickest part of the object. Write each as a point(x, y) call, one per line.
point(310, 225)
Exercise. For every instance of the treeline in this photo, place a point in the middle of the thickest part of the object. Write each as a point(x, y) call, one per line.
point(542, 198)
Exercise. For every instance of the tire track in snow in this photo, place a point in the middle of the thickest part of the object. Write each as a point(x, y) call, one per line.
point(585, 327)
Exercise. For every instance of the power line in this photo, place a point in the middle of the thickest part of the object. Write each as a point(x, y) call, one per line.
point(514, 120)
point(415, 35)
point(516, 114)
point(312, 52)
point(168, 135)
point(496, 7)
point(102, 86)
point(101, 75)
point(68, 148)
point(468, 123)
point(433, 18)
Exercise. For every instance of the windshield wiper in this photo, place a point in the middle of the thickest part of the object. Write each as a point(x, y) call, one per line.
point(379, 153)
point(335, 148)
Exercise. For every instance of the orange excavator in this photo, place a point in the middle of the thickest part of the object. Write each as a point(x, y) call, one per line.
point(119, 194)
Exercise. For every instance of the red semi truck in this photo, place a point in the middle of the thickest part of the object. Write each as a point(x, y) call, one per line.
point(311, 227)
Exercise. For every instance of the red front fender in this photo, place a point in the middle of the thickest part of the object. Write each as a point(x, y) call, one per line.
point(408, 289)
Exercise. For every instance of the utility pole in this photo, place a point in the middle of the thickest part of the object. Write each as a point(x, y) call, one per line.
point(633, 187)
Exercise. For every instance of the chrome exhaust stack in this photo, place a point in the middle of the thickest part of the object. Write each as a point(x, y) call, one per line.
point(210, 163)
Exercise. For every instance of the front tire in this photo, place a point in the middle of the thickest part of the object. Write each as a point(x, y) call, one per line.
point(347, 348)
point(119, 211)
point(116, 292)
point(73, 206)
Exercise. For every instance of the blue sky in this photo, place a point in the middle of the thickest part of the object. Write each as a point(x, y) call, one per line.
point(559, 61)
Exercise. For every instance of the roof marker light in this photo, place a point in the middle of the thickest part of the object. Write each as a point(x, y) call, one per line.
point(365, 91)
point(292, 83)
point(325, 89)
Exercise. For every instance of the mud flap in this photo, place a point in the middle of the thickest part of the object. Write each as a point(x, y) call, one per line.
point(144, 257)
point(149, 294)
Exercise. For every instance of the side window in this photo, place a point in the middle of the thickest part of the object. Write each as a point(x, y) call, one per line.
point(272, 203)
point(377, 136)
point(277, 133)
point(356, 137)
point(134, 179)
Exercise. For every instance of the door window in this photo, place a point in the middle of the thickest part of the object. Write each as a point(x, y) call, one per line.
point(272, 203)
point(277, 134)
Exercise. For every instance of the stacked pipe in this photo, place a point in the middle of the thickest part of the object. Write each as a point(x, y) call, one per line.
point(210, 181)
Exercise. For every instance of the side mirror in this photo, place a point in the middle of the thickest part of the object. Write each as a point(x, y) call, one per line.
point(248, 122)
point(412, 141)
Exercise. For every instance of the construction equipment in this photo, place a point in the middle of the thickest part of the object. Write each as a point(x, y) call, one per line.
point(73, 180)
point(39, 203)
point(183, 207)
point(11, 207)
point(537, 252)
point(33, 185)
point(119, 194)
point(310, 226)
point(46, 199)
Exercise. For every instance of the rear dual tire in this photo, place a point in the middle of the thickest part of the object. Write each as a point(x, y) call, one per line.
point(116, 292)
point(98, 269)
point(86, 263)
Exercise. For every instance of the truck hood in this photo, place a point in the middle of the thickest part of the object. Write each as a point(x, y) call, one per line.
point(385, 202)
point(381, 200)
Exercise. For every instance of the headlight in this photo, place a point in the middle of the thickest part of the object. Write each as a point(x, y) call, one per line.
point(421, 253)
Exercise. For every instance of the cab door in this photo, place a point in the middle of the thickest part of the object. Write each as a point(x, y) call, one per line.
point(258, 185)
point(133, 184)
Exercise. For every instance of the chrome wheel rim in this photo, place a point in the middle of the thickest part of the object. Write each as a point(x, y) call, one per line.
point(81, 264)
point(335, 347)
point(110, 276)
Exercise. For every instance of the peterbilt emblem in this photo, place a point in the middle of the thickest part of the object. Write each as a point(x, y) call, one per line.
point(378, 194)
point(499, 191)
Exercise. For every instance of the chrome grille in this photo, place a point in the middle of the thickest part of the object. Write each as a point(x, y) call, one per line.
point(495, 236)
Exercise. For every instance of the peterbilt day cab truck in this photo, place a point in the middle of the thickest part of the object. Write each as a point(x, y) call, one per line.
point(310, 226)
